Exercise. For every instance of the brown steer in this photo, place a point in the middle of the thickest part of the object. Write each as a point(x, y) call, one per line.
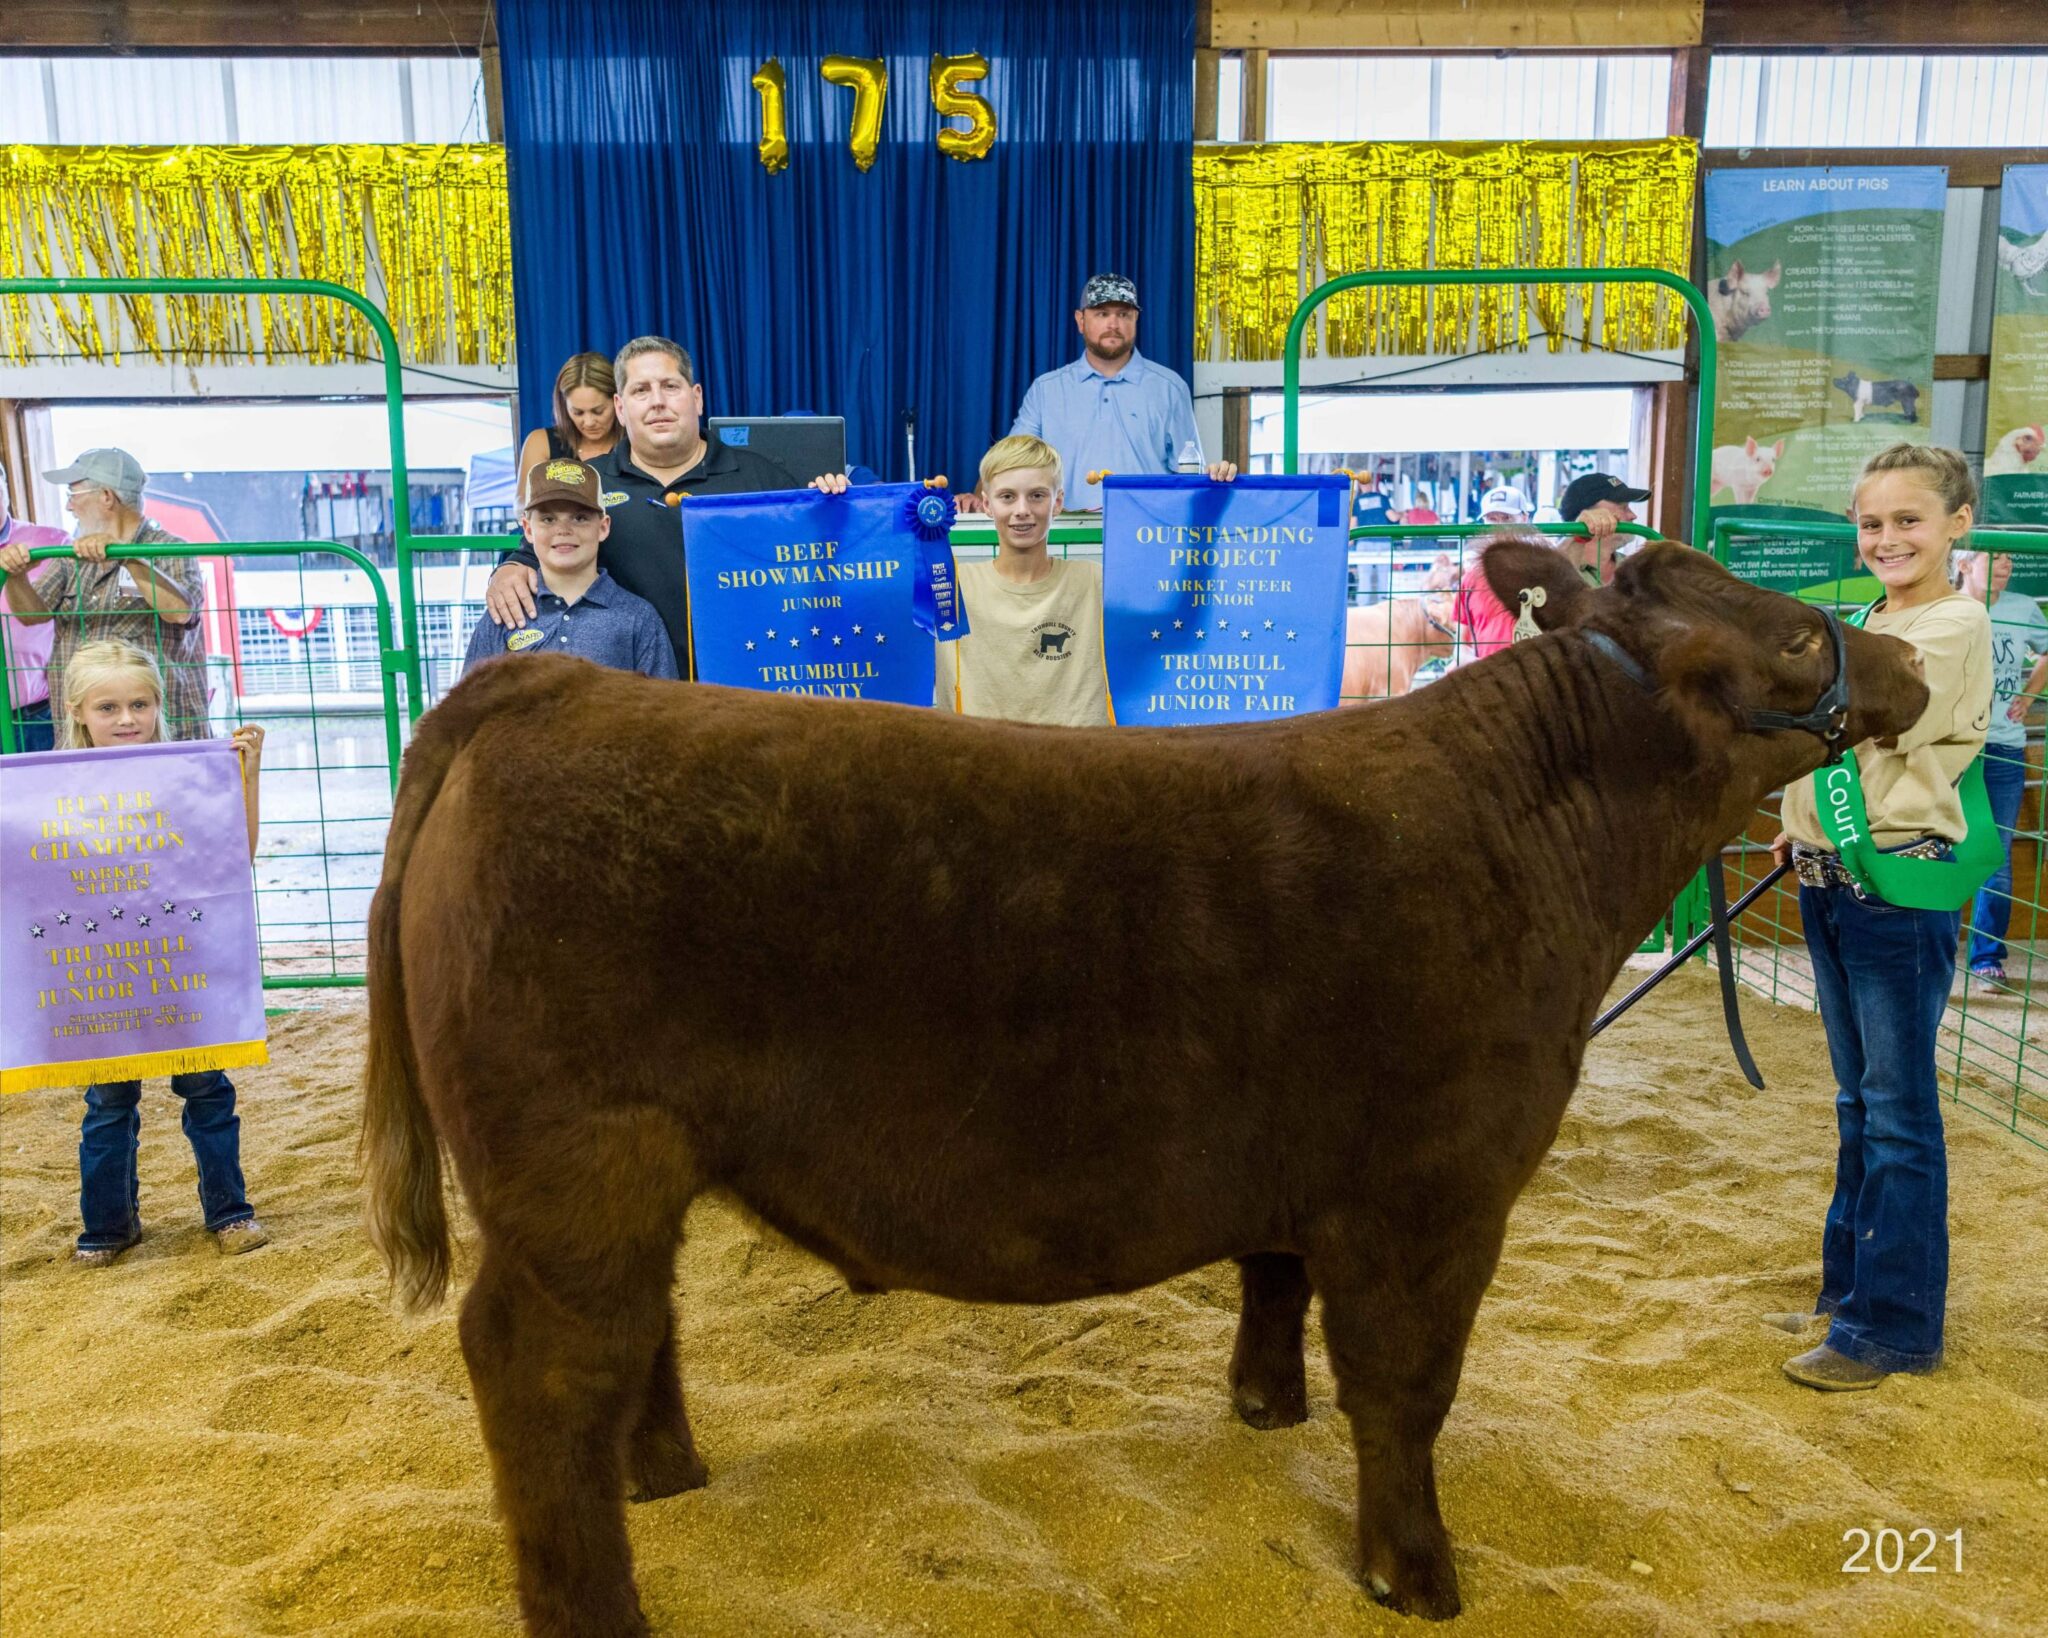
point(1024, 1014)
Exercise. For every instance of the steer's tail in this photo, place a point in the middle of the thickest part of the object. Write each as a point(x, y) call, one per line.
point(406, 1211)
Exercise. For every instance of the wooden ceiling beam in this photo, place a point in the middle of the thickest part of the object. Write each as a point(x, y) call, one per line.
point(221, 27)
point(1874, 25)
point(437, 26)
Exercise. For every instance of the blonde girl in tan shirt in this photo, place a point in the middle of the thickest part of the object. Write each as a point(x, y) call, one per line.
point(1882, 972)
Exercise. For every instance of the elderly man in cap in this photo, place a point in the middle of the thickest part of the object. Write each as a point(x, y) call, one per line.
point(153, 603)
point(1112, 409)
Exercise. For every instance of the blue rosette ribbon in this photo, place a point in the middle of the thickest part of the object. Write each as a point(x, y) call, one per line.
point(929, 514)
point(935, 596)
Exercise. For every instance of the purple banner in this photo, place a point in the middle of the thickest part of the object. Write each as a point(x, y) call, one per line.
point(127, 916)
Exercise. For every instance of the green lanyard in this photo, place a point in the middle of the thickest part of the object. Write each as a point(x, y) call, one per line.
point(1911, 884)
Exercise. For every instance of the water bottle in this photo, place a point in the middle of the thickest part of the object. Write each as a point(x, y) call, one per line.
point(1190, 458)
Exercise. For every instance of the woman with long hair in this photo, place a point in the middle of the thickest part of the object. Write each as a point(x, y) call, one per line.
point(586, 422)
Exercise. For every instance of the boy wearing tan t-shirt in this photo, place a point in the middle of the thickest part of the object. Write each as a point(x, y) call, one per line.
point(1034, 651)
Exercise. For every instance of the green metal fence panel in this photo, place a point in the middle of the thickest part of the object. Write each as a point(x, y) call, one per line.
point(331, 755)
point(311, 901)
point(1688, 913)
point(446, 586)
point(1696, 303)
point(394, 400)
point(1994, 1040)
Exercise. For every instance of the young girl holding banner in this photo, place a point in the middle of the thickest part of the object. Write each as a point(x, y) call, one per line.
point(1881, 906)
point(113, 695)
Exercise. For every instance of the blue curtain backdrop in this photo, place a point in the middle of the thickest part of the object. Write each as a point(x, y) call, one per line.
point(927, 283)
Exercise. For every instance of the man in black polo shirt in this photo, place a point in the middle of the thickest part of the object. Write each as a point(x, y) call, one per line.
point(663, 455)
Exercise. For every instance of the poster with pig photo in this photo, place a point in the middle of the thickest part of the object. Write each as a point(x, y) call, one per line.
point(1822, 284)
point(2016, 427)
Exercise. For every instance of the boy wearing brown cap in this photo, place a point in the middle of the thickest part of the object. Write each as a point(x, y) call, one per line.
point(579, 609)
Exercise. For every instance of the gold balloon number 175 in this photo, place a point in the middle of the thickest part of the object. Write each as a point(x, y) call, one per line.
point(868, 79)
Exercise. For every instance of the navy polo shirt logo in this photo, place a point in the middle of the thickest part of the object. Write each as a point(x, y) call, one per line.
point(524, 639)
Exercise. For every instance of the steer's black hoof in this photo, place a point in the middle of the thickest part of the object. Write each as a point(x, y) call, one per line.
point(662, 1465)
point(1427, 1590)
point(1281, 1408)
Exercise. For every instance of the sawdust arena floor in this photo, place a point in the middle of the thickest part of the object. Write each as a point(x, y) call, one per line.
point(198, 1445)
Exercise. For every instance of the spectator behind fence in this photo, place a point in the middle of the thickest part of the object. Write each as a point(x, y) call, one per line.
point(1602, 502)
point(1598, 501)
point(581, 609)
point(2018, 631)
point(1503, 506)
point(586, 420)
point(113, 697)
point(152, 603)
point(28, 646)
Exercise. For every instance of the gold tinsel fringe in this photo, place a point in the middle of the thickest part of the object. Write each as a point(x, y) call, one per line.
point(1274, 220)
point(432, 220)
point(135, 1066)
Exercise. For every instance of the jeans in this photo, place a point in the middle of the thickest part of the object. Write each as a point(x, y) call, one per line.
point(1883, 977)
point(33, 730)
point(109, 1198)
point(2005, 782)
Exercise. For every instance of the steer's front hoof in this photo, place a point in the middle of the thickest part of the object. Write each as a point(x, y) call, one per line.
point(1270, 1408)
point(1423, 1583)
point(663, 1465)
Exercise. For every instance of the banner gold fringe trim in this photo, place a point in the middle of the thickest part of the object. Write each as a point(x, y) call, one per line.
point(136, 1066)
point(431, 221)
point(1274, 220)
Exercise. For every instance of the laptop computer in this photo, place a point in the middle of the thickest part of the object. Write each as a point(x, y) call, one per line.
point(804, 446)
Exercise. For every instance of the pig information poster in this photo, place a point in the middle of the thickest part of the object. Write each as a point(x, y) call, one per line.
point(1822, 285)
point(2015, 442)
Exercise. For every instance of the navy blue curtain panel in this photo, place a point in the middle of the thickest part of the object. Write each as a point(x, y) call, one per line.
point(926, 283)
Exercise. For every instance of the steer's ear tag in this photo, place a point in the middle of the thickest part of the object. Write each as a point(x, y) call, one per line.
point(1533, 598)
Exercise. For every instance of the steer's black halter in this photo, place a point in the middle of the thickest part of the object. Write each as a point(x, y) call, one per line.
point(1829, 719)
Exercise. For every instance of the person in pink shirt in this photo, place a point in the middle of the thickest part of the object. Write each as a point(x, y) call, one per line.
point(28, 647)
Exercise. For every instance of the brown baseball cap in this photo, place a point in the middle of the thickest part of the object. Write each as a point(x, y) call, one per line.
point(570, 481)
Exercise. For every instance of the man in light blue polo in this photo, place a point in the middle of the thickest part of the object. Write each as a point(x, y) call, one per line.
point(1112, 409)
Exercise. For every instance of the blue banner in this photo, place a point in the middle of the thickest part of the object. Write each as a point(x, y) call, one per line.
point(797, 592)
point(1223, 602)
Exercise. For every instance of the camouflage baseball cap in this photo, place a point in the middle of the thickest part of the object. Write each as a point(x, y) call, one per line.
point(569, 481)
point(1105, 288)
